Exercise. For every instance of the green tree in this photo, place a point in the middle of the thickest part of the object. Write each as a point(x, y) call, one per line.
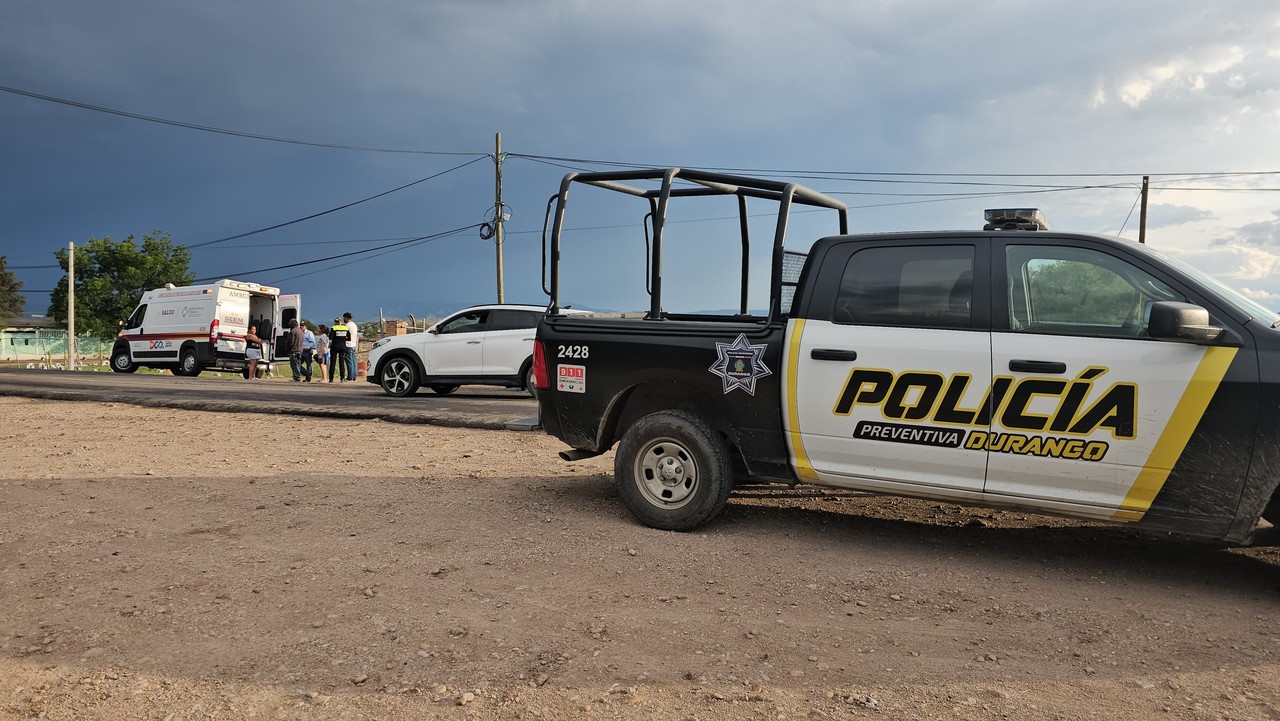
point(12, 301)
point(112, 275)
point(1066, 291)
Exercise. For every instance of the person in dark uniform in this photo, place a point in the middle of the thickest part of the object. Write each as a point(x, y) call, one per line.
point(339, 337)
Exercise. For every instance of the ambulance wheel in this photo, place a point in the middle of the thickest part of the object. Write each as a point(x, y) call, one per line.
point(121, 362)
point(442, 389)
point(673, 471)
point(188, 364)
point(399, 377)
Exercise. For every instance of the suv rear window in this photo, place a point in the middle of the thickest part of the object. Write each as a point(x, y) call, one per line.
point(514, 319)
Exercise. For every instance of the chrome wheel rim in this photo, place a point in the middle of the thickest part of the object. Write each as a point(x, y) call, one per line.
point(397, 376)
point(666, 473)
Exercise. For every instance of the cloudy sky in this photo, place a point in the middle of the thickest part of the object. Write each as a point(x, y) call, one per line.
point(917, 114)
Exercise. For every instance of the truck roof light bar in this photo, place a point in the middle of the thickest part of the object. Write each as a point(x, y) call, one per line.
point(1015, 219)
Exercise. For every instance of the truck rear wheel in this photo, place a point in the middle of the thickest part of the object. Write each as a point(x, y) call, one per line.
point(1272, 512)
point(121, 362)
point(188, 364)
point(673, 471)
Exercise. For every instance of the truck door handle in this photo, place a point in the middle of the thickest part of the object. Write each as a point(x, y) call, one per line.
point(832, 354)
point(1036, 366)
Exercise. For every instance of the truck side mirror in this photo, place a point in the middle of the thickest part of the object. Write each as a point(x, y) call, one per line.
point(1172, 320)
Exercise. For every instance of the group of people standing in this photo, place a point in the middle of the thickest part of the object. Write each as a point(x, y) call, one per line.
point(332, 347)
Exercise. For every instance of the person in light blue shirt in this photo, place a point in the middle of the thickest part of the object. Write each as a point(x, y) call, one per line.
point(308, 350)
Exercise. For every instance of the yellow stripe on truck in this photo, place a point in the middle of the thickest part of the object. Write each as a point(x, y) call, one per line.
point(803, 468)
point(1186, 416)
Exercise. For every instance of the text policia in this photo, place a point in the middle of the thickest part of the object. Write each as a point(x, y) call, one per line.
point(935, 398)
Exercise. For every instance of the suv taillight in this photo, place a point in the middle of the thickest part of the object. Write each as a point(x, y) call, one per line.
point(213, 332)
point(540, 378)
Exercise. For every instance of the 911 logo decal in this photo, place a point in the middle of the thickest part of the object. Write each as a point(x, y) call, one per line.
point(740, 364)
point(1065, 407)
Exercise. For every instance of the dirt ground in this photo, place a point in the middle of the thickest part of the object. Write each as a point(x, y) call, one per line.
point(168, 564)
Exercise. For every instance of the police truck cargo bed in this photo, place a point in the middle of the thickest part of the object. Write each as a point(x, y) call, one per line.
point(1064, 373)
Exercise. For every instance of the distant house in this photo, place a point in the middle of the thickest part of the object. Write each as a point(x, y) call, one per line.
point(32, 337)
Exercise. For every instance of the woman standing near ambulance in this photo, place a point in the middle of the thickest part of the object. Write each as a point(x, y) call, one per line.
point(252, 350)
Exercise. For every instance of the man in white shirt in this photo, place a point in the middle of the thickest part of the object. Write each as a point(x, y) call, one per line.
point(352, 345)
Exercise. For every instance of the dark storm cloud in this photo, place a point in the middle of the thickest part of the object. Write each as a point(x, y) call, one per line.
point(1087, 87)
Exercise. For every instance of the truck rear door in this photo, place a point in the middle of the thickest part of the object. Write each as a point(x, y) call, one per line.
point(889, 370)
point(290, 309)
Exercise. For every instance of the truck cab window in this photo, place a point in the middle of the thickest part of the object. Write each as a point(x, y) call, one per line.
point(908, 286)
point(1079, 291)
point(135, 320)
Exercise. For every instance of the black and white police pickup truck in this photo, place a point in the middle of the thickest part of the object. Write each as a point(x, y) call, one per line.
point(1065, 373)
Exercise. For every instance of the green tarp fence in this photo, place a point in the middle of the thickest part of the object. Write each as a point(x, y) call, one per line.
point(49, 347)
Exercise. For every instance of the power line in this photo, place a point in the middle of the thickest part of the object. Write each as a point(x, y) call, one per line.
point(222, 131)
point(342, 255)
point(833, 174)
point(420, 241)
point(332, 210)
point(314, 242)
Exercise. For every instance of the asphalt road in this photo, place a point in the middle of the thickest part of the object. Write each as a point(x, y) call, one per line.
point(469, 407)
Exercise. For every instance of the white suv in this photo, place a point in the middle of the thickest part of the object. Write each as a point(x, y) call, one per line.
point(482, 345)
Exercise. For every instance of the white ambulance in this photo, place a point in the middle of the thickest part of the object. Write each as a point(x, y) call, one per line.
point(194, 328)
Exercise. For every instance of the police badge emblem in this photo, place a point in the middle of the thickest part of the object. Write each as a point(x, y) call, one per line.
point(740, 364)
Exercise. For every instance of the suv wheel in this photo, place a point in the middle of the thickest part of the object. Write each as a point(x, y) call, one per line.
point(529, 386)
point(399, 377)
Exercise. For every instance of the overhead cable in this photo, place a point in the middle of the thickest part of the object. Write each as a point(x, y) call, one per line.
point(342, 255)
point(845, 173)
point(332, 210)
point(223, 131)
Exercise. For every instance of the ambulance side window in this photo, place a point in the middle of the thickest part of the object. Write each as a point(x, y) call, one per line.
point(135, 320)
point(908, 286)
point(1078, 291)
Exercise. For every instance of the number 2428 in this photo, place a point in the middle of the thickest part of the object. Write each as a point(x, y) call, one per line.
point(572, 351)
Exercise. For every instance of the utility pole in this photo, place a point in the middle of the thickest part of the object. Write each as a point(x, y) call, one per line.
point(71, 306)
point(498, 212)
point(1142, 217)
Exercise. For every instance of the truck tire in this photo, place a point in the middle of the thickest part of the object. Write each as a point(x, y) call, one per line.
point(673, 471)
point(399, 377)
point(121, 362)
point(188, 364)
point(1272, 511)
